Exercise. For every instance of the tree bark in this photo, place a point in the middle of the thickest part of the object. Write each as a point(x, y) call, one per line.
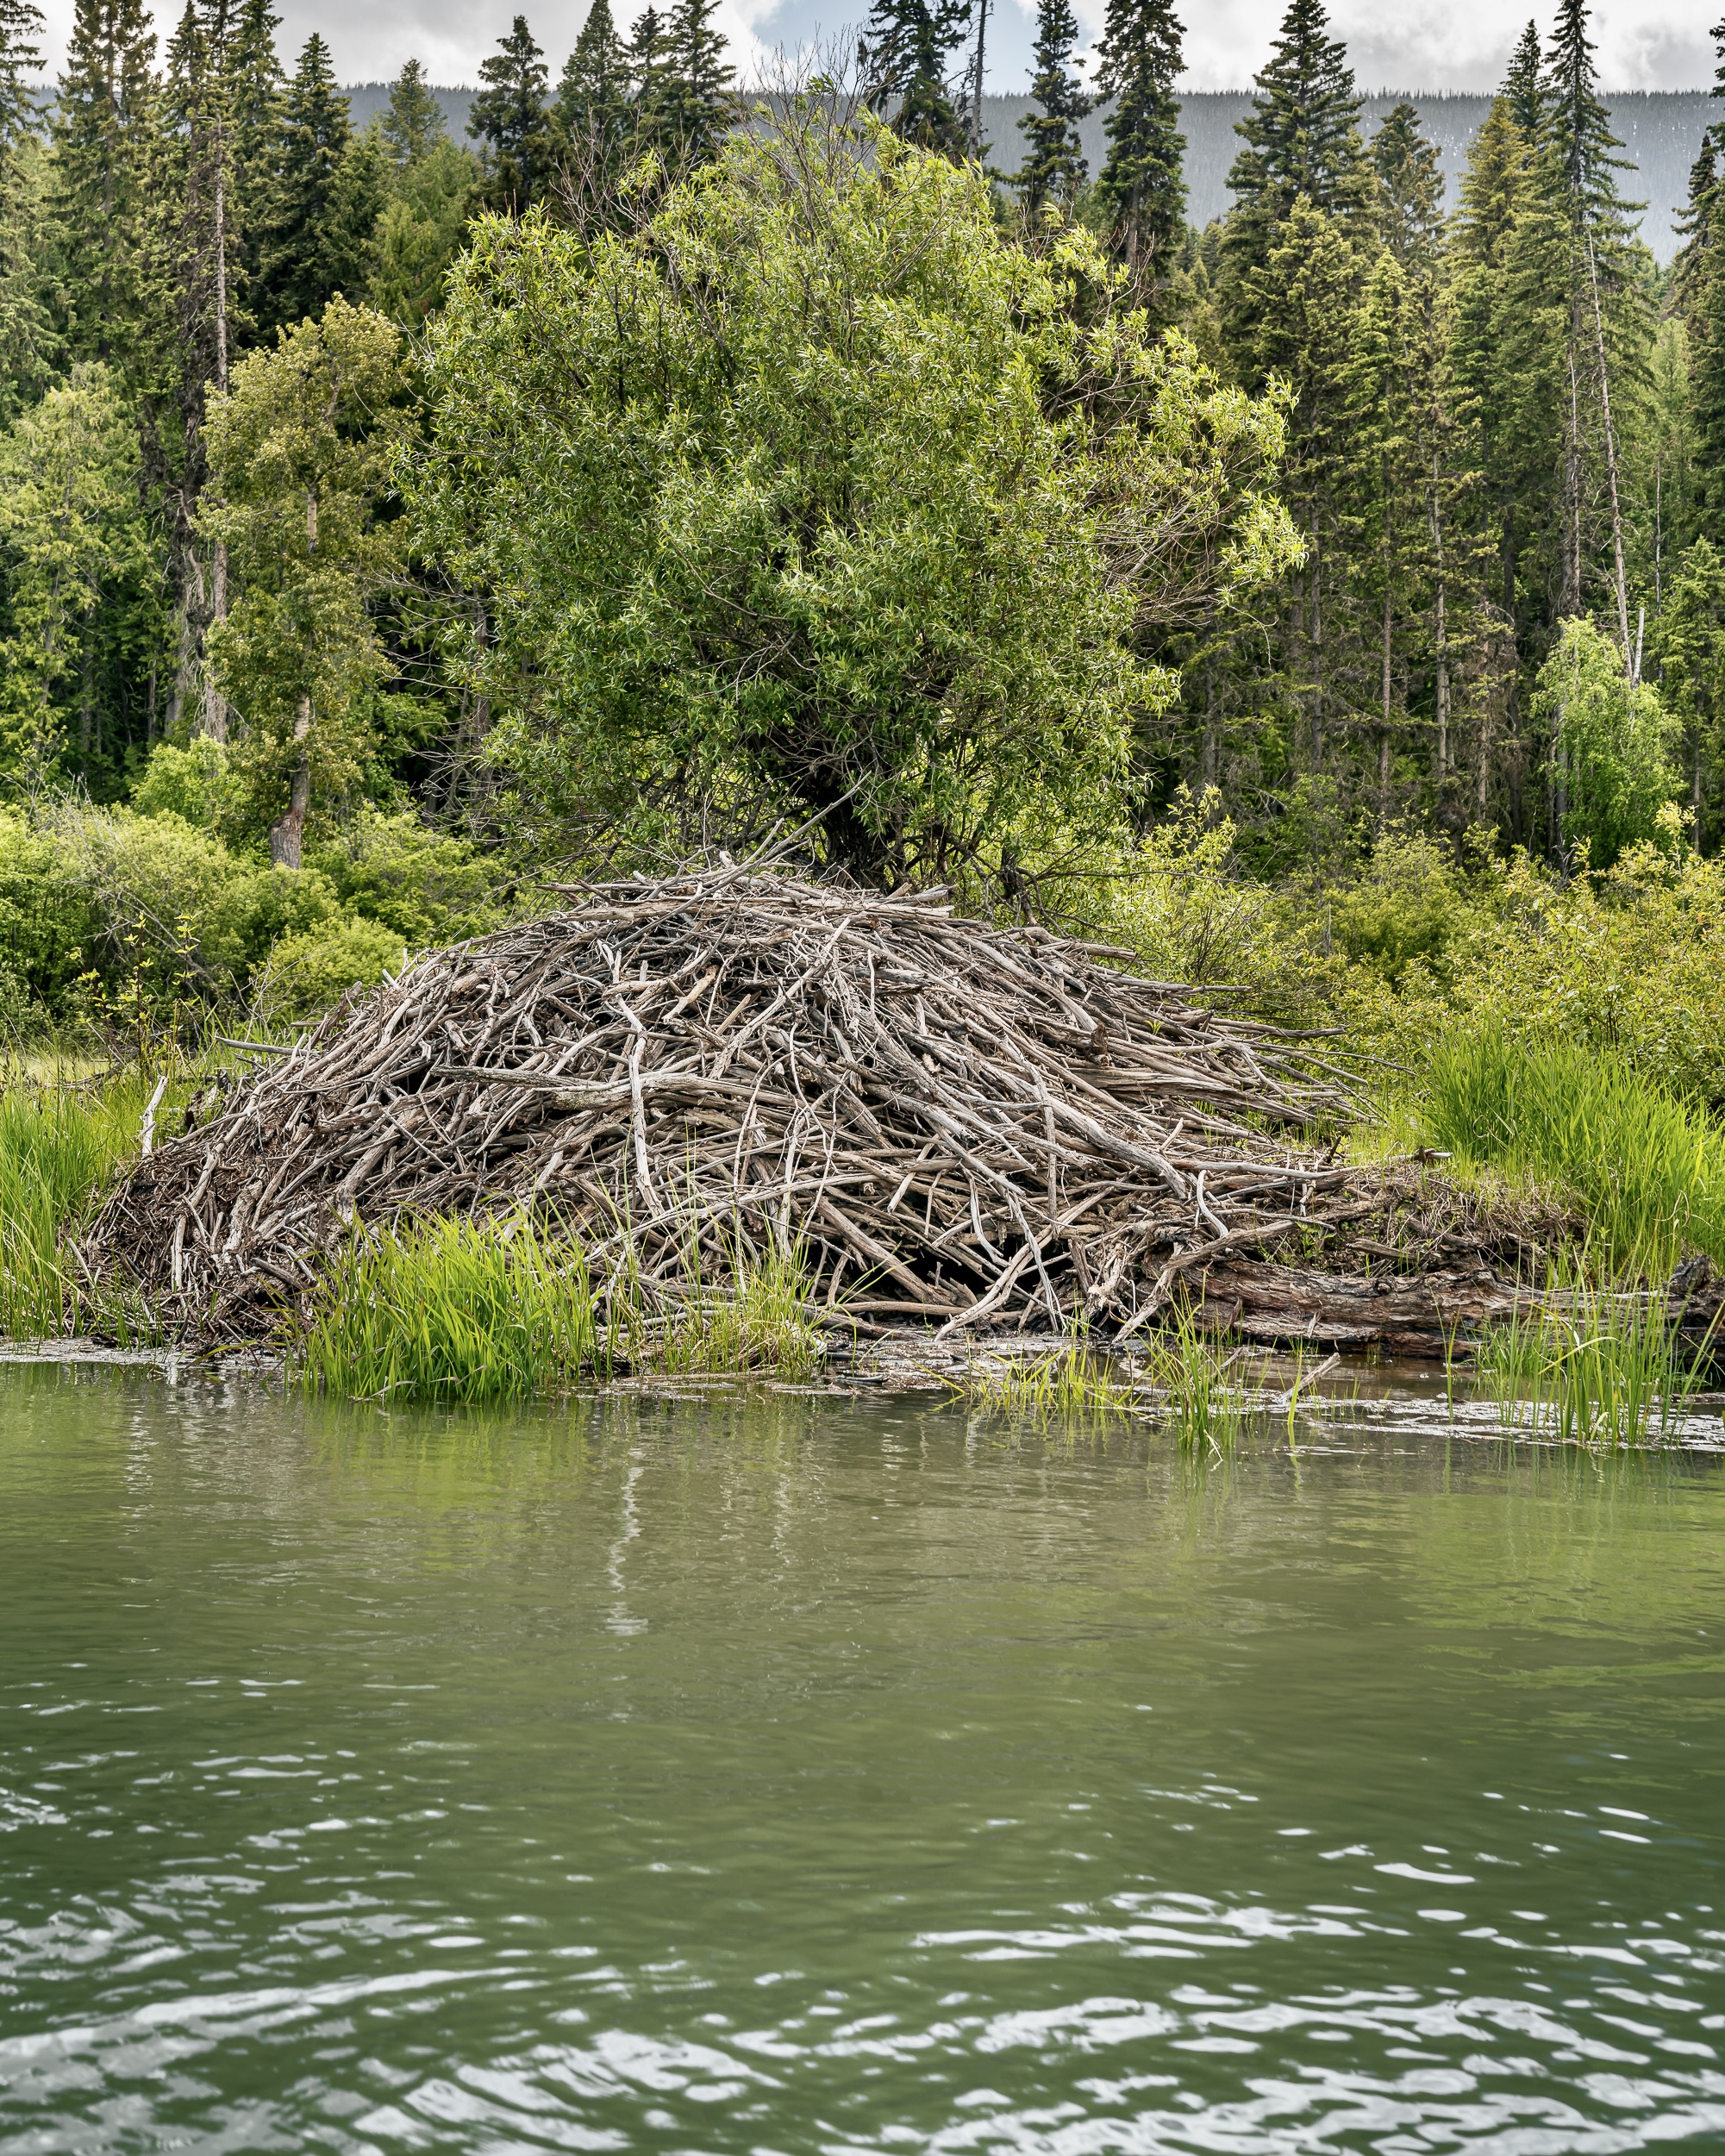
point(287, 835)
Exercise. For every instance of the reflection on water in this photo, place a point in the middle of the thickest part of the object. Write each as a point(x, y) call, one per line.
point(814, 1775)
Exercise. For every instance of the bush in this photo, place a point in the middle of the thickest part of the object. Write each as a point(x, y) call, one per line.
point(305, 973)
point(192, 783)
point(425, 887)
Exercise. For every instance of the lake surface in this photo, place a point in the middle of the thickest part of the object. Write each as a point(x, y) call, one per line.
point(818, 1775)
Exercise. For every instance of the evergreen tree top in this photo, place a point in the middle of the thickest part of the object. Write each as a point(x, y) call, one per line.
point(511, 106)
point(1301, 133)
point(905, 51)
point(1524, 85)
point(1579, 126)
point(413, 120)
point(1411, 179)
point(315, 117)
point(1142, 42)
point(595, 81)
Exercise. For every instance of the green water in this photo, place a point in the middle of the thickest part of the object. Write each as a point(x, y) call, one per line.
point(823, 1776)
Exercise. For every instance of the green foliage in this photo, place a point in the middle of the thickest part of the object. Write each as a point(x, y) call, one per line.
point(1611, 745)
point(193, 782)
point(47, 924)
point(1647, 1171)
point(423, 886)
point(419, 234)
point(307, 972)
point(74, 555)
point(450, 1310)
point(299, 453)
point(850, 557)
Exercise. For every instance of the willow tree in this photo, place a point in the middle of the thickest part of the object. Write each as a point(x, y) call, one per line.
point(814, 490)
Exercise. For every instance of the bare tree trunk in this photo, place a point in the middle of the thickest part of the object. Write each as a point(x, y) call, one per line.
point(1570, 605)
point(1383, 729)
point(1610, 455)
point(287, 835)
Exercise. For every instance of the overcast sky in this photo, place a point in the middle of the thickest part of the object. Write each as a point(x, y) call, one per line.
point(1415, 44)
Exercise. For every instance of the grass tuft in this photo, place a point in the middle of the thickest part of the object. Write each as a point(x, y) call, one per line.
point(1188, 1374)
point(450, 1309)
point(1068, 1380)
point(764, 1322)
point(1590, 1366)
point(59, 1145)
point(1647, 1170)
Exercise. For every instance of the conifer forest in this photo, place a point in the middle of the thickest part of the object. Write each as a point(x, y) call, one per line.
point(391, 522)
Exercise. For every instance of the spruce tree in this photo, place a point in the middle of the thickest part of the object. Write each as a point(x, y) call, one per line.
point(1053, 168)
point(21, 25)
point(1410, 187)
point(30, 345)
point(591, 115)
point(697, 89)
point(510, 121)
point(906, 51)
point(253, 94)
point(1141, 184)
point(1579, 148)
point(1303, 143)
point(413, 119)
point(100, 117)
point(298, 274)
point(1524, 89)
point(647, 58)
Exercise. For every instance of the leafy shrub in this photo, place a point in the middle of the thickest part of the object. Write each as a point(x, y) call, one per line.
point(424, 886)
point(192, 783)
point(306, 972)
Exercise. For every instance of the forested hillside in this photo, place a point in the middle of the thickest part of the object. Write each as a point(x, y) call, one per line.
point(337, 592)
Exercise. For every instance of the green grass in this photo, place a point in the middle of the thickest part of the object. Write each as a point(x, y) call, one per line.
point(1071, 1380)
point(1590, 1366)
point(59, 1144)
point(1647, 1170)
point(764, 1322)
point(450, 1309)
point(487, 1310)
point(1188, 1378)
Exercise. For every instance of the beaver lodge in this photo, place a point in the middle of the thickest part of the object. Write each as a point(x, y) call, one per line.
point(965, 1125)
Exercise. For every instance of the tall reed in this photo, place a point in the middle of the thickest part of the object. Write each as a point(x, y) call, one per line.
point(1647, 1170)
point(1590, 1365)
point(58, 1145)
point(1190, 1379)
point(450, 1309)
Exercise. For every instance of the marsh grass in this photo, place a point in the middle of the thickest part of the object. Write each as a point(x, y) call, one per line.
point(1194, 1385)
point(61, 1140)
point(1071, 1379)
point(1591, 1366)
point(763, 1321)
point(497, 1309)
point(450, 1309)
point(1647, 1169)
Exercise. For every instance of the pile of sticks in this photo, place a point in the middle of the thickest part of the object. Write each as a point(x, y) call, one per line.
point(972, 1124)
